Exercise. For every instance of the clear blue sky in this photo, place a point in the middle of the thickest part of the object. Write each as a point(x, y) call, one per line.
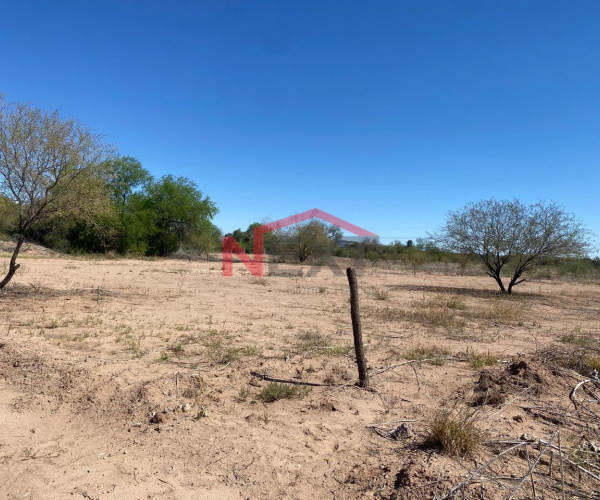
point(384, 113)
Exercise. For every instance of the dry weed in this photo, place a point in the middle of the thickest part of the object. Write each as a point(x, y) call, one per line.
point(430, 354)
point(275, 391)
point(454, 433)
point(314, 343)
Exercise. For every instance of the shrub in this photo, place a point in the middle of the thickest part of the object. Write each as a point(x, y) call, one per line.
point(454, 433)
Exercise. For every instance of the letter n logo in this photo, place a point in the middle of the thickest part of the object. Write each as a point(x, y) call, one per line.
point(230, 247)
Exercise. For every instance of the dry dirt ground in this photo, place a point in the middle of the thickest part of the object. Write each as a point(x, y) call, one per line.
point(141, 379)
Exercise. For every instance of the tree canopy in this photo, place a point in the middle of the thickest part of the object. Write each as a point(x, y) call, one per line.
point(313, 238)
point(125, 176)
point(177, 211)
point(146, 217)
point(48, 167)
point(507, 234)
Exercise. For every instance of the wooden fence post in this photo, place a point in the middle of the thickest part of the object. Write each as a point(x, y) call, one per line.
point(357, 330)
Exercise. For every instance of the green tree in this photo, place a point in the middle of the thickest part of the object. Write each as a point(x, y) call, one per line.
point(309, 239)
point(414, 257)
point(9, 215)
point(125, 176)
point(147, 217)
point(175, 211)
point(109, 230)
point(48, 169)
point(206, 241)
point(132, 222)
point(245, 238)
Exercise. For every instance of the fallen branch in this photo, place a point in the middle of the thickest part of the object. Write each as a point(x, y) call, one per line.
point(531, 467)
point(284, 381)
point(391, 367)
point(582, 469)
point(382, 424)
point(471, 476)
point(579, 404)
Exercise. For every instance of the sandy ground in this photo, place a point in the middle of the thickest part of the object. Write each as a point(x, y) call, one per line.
point(140, 379)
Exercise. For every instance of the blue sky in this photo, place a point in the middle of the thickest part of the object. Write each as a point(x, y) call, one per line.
point(384, 113)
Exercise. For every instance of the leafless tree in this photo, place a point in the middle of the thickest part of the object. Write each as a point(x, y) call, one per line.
point(503, 232)
point(46, 167)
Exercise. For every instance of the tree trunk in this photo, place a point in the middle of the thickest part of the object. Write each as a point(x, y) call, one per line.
point(500, 284)
point(515, 279)
point(13, 266)
point(494, 272)
point(513, 282)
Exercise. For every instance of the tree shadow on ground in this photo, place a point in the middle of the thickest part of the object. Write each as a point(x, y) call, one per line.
point(478, 293)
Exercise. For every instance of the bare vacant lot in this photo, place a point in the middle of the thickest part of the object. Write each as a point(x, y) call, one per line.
point(127, 379)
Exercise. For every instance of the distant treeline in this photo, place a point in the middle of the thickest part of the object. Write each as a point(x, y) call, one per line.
point(315, 241)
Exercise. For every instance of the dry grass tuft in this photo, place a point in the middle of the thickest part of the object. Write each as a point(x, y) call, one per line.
point(176, 347)
point(451, 311)
point(444, 301)
point(454, 433)
point(578, 361)
point(243, 393)
point(275, 391)
point(381, 295)
point(479, 360)
point(314, 343)
point(429, 317)
point(582, 354)
point(431, 354)
point(259, 281)
point(388, 402)
point(219, 349)
point(441, 310)
point(580, 339)
point(500, 309)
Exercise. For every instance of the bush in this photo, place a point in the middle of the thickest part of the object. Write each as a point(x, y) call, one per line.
point(454, 433)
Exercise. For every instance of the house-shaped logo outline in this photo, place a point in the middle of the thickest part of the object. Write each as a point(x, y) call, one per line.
point(255, 266)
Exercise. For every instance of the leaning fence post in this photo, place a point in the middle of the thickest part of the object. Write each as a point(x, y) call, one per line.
point(357, 330)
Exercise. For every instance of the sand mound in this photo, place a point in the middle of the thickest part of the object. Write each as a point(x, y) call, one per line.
point(494, 387)
point(27, 249)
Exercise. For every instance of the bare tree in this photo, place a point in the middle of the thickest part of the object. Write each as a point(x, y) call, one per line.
point(503, 232)
point(46, 168)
